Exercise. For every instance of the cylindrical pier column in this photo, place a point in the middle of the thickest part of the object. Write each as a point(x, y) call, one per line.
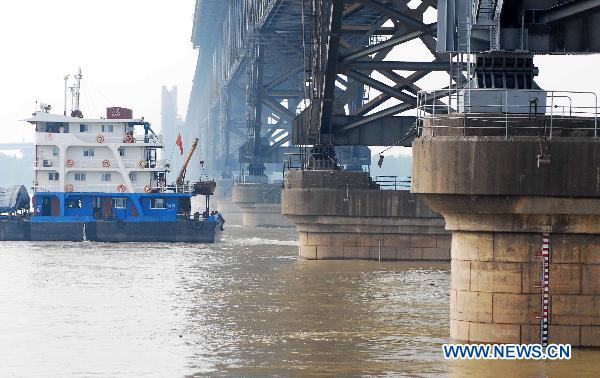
point(498, 201)
point(497, 283)
point(223, 201)
point(260, 204)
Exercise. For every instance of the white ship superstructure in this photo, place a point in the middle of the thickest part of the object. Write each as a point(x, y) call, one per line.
point(96, 155)
point(103, 168)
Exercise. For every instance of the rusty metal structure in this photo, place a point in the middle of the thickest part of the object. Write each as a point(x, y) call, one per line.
point(324, 73)
point(272, 73)
point(362, 85)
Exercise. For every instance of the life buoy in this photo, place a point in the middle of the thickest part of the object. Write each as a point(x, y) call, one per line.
point(106, 163)
point(121, 188)
point(129, 139)
point(70, 163)
point(100, 138)
point(69, 188)
point(142, 164)
point(147, 188)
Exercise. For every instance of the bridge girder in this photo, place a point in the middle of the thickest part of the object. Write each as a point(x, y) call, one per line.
point(237, 41)
point(361, 59)
point(249, 76)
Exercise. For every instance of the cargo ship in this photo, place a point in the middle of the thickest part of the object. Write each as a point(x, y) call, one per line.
point(103, 180)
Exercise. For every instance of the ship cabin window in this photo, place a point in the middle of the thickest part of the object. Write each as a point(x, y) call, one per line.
point(53, 176)
point(55, 151)
point(73, 203)
point(119, 203)
point(83, 128)
point(106, 176)
point(133, 176)
point(121, 151)
point(88, 152)
point(107, 128)
point(79, 176)
point(158, 203)
point(54, 127)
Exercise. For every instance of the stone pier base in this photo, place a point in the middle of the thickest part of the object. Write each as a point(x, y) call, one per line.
point(339, 215)
point(496, 297)
point(260, 204)
point(232, 213)
point(345, 239)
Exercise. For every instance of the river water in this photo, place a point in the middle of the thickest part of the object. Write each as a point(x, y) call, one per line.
point(246, 306)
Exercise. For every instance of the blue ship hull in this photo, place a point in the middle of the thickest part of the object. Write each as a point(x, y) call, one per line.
point(180, 231)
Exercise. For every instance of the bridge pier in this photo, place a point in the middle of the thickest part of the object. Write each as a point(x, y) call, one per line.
point(498, 200)
point(260, 202)
point(223, 201)
point(344, 215)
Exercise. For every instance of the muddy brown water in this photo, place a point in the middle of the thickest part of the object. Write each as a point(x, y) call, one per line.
point(246, 306)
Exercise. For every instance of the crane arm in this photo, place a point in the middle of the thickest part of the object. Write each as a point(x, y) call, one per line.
point(181, 175)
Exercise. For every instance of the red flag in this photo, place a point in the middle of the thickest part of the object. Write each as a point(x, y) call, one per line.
point(179, 143)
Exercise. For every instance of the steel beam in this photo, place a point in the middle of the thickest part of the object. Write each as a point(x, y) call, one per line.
point(397, 65)
point(332, 51)
point(568, 10)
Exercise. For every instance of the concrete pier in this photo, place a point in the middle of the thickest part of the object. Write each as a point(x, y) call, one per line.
point(223, 201)
point(344, 215)
point(498, 197)
point(260, 203)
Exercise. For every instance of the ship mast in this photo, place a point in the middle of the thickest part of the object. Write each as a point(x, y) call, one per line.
point(65, 103)
point(77, 91)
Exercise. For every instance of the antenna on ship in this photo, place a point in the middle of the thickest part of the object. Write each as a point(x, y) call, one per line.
point(65, 107)
point(76, 91)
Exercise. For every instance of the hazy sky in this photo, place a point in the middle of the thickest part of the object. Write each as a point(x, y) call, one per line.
point(127, 50)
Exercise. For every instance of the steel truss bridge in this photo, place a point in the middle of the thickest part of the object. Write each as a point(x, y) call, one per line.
point(271, 73)
point(276, 73)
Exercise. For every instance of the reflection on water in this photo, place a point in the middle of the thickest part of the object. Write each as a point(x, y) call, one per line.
point(245, 306)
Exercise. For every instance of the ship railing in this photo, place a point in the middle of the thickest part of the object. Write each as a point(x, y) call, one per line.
point(180, 188)
point(47, 188)
point(142, 164)
point(107, 164)
point(167, 188)
point(508, 112)
point(115, 187)
point(158, 188)
point(75, 187)
point(101, 138)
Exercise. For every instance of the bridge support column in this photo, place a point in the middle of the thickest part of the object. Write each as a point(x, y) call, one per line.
point(223, 201)
point(260, 203)
point(496, 282)
point(498, 201)
point(343, 215)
